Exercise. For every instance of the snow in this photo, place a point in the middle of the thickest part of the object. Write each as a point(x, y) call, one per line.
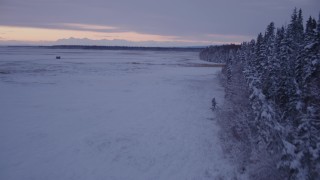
point(108, 115)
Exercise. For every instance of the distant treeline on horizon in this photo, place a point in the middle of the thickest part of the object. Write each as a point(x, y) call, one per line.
point(218, 54)
point(196, 49)
point(97, 47)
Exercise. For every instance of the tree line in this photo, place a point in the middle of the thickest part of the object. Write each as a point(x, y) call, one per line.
point(218, 54)
point(136, 48)
point(272, 108)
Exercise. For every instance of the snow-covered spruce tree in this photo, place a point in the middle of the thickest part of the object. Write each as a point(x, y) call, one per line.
point(275, 70)
point(259, 62)
point(281, 96)
point(294, 37)
point(228, 73)
point(269, 71)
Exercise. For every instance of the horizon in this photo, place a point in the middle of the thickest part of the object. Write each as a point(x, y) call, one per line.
point(126, 46)
point(105, 42)
point(142, 23)
point(74, 45)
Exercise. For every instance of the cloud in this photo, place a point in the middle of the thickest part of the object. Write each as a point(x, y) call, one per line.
point(46, 34)
point(87, 26)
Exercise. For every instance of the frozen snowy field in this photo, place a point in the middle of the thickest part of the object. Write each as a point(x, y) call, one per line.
point(108, 115)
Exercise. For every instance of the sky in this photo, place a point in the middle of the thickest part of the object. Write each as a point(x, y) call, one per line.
point(143, 22)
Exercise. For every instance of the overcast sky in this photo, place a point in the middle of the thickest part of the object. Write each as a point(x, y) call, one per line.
point(188, 22)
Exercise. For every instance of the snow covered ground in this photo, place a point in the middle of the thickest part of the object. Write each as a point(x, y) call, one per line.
point(117, 115)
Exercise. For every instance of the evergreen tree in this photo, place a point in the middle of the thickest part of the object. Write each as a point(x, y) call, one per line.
point(269, 72)
point(259, 61)
point(300, 29)
point(276, 71)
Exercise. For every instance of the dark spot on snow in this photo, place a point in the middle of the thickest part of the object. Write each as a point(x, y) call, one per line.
point(4, 72)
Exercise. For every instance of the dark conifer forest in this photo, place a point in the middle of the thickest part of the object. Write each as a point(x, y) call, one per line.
point(218, 54)
point(272, 109)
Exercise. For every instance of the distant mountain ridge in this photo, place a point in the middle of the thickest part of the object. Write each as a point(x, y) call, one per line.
point(196, 49)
